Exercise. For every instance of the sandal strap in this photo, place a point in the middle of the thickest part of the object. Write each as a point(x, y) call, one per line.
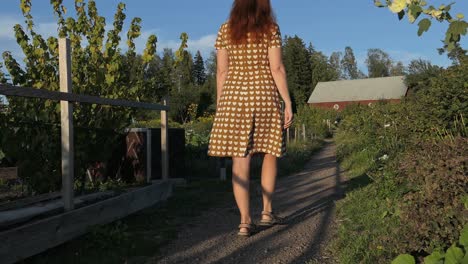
point(245, 225)
point(273, 217)
point(270, 214)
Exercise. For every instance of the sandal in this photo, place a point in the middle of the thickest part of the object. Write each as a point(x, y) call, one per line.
point(274, 219)
point(249, 227)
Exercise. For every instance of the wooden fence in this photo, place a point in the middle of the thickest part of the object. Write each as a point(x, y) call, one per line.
point(66, 97)
point(36, 236)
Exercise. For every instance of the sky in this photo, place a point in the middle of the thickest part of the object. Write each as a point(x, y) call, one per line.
point(330, 25)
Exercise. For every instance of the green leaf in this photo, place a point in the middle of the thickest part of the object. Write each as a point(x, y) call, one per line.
point(465, 259)
point(454, 255)
point(397, 6)
point(404, 259)
point(458, 28)
point(464, 237)
point(401, 14)
point(435, 258)
point(424, 26)
point(465, 201)
point(377, 3)
point(413, 12)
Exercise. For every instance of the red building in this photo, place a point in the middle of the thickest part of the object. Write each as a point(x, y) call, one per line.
point(338, 94)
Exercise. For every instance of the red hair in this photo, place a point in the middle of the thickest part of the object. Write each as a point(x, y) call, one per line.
point(250, 16)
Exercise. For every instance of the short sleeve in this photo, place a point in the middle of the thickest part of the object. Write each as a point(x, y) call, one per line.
point(220, 39)
point(275, 40)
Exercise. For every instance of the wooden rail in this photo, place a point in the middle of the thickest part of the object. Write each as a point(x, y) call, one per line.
point(10, 90)
point(65, 96)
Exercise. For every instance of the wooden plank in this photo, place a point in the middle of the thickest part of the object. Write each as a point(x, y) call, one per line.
point(222, 162)
point(303, 132)
point(148, 156)
point(10, 173)
point(164, 142)
point(33, 238)
point(22, 215)
point(29, 200)
point(66, 117)
point(10, 90)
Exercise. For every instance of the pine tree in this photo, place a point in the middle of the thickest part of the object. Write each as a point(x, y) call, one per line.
point(198, 69)
point(322, 71)
point(207, 101)
point(349, 65)
point(297, 63)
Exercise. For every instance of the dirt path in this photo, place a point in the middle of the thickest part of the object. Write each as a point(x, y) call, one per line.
point(305, 199)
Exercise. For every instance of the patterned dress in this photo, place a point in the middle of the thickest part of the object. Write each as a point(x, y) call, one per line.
point(248, 118)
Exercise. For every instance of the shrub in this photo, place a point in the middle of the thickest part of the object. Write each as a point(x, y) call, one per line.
point(432, 211)
point(412, 158)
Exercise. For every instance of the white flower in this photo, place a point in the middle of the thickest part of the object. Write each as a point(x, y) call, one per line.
point(384, 157)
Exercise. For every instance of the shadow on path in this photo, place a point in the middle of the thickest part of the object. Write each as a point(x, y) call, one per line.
point(306, 201)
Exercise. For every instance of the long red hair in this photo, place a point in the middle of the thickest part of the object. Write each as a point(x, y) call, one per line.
point(250, 16)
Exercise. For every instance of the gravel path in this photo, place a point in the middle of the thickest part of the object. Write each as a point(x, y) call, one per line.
point(305, 199)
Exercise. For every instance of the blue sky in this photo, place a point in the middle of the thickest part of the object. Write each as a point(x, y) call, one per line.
point(330, 25)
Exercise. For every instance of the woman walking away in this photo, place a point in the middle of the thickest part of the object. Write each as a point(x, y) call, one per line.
point(248, 119)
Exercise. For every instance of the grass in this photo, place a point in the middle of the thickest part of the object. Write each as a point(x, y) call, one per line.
point(366, 215)
point(139, 237)
point(364, 220)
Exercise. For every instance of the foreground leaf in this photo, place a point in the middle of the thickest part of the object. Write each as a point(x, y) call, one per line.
point(454, 255)
point(404, 259)
point(424, 26)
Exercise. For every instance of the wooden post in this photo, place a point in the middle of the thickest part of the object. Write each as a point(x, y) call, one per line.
point(303, 132)
point(66, 113)
point(164, 142)
point(222, 168)
point(148, 156)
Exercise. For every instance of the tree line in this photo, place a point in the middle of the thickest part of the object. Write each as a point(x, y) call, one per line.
point(192, 86)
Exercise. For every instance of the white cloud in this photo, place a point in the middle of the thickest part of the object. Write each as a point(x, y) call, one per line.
point(7, 34)
point(47, 29)
point(6, 27)
point(205, 44)
point(405, 56)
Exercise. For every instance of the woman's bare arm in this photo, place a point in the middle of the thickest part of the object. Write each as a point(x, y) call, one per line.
point(279, 75)
point(222, 60)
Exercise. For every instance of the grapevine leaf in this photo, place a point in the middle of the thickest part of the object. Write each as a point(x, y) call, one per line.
point(404, 259)
point(377, 3)
point(435, 258)
point(464, 237)
point(397, 6)
point(424, 26)
point(454, 255)
point(413, 12)
point(401, 14)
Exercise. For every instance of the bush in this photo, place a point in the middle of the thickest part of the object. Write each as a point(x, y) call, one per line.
point(409, 163)
point(314, 120)
point(433, 213)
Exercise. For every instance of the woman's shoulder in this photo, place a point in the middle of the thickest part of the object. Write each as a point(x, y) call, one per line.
point(225, 24)
point(275, 27)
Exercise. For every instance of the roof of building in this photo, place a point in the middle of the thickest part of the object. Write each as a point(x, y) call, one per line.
point(357, 90)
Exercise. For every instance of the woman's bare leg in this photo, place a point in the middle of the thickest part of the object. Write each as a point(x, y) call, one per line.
point(240, 185)
point(269, 171)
